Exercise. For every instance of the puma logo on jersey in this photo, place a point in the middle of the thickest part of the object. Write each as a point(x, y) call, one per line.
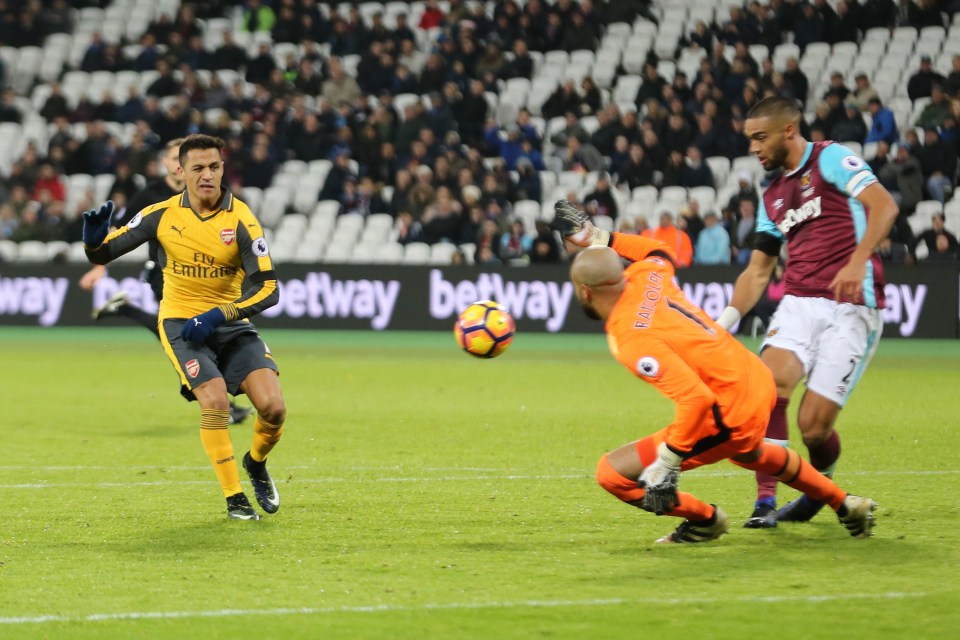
point(179, 231)
point(793, 217)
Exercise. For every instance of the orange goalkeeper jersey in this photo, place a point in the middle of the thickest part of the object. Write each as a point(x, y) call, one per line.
point(671, 343)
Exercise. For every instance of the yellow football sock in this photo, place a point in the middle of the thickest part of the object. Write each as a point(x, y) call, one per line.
point(216, 442)
point(265, 436)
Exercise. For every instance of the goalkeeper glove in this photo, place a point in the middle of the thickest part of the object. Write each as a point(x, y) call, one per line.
point(200, 327)
point(575, 226)
point(96, 224)
point(660, 481)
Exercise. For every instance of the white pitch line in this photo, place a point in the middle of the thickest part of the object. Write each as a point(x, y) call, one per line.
point(702, 471)
point(462, 478)
point(452, 606)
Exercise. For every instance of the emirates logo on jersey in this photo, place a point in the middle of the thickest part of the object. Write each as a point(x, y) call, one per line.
point(228, 236)
point(193, 368)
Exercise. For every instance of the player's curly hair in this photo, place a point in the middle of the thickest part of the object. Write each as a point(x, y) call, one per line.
point(778, 108)
point(200, 141)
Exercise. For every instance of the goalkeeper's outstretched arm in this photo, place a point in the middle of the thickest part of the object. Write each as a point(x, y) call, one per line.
point(575, 226)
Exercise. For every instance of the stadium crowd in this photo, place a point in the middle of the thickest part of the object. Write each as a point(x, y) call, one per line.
point(449, 167)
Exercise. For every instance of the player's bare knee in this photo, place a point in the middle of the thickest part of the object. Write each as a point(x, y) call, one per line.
point(274, 411)
point(216, 403)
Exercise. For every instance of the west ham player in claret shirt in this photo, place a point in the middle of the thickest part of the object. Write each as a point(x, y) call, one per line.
point(830, 210)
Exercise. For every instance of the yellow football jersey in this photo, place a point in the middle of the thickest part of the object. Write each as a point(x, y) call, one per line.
point(204, 258)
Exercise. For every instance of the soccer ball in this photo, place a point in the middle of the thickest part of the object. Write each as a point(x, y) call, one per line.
point(484, 329)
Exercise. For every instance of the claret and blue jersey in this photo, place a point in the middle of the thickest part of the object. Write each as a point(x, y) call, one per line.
point(814, 209)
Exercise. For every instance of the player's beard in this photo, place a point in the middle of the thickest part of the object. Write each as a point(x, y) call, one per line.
point(777, 159)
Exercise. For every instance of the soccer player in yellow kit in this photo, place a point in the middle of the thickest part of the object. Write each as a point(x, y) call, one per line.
point(209, 243)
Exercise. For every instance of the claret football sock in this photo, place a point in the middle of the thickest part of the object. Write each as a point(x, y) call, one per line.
point(794, 471)
point(777, 433)
point(824, 456)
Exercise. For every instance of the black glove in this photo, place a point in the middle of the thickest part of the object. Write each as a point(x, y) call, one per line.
point(659, 480)
point(574, 225)
point(96, 224)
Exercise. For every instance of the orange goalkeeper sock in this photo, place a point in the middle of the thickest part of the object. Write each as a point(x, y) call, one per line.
point(216, 442)
point(792, 470)
point(691, 508)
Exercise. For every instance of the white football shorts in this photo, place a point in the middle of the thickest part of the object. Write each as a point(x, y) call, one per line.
point(834, 341)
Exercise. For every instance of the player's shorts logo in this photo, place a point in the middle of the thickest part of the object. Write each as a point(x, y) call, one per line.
point(648, 366)
point(193, 368)
point(228, 236)
point(135, 221)
point(773, 332)
point(260, 247)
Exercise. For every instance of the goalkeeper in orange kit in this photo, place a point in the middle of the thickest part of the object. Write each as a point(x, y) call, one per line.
point(723, 392)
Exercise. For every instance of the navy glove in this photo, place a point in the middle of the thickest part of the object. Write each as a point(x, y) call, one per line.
point(96, 224)
point(199, 328)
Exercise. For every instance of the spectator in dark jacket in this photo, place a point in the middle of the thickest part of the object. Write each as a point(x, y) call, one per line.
point(522, 64)
point(921, 83)
point(809, 27)
point(851, 127)
point(696, 172)
point(938, 159)
point(601, 201)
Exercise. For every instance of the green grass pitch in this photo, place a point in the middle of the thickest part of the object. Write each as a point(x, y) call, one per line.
point(427, 494)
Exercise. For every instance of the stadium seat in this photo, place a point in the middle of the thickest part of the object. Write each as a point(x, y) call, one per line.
point(925, 209)
point(720, 167)
point(904, 34)
point(783, 52)
point(273, 206)
point(570, 180)
point(334, 253)
point(640, 209)
point(375, 236)
point(706, 196)
point(284, 249)
point(603, 222)
point(365, 252)
point(635, 55)
point(856, 147)
point(306, 192)
point(749, 164)
point(416, 253)
point(442, 253)
point(469, 251)
point(77, 253)
point(295, 223)
point(253, 197)
point(676, 195)
point(101, 186)
point(9, 251)
point(389, 253)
